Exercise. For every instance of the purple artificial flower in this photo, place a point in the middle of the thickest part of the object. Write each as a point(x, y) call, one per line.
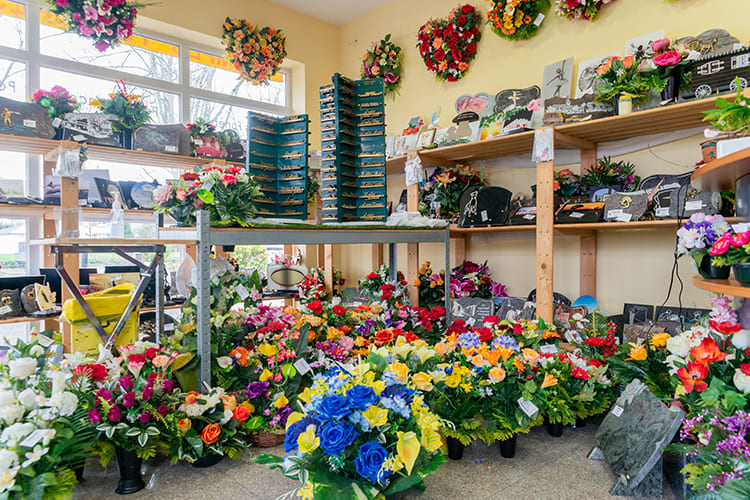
point(256, 389)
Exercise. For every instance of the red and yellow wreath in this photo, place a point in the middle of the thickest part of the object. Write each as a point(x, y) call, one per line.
point(517, 19)
point(256, 53)
point(447, 46)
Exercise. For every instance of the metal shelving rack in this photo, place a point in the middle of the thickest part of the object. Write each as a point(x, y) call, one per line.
point(208, 237)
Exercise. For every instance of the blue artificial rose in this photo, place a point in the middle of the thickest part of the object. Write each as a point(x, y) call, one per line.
point(294, 430)
point(370, 460)
point(334, 407)
point(361, 397)
point(336, 436)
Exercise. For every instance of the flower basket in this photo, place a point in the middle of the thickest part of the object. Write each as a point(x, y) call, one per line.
point(267, 439)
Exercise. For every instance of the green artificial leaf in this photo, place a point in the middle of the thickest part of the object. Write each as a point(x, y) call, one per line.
point(379, 361)
point(288, 370)
point(133, 432)
point(206, 196)
point(142, 439)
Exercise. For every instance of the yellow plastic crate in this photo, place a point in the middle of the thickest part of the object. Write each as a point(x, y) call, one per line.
point(107, 306)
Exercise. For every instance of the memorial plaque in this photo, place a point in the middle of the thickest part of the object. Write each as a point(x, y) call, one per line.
point(169, 139)
point(10, 303)
point(472, 310)
point(24, 119)
point(625, 207)
point(632, 438)
point(514, 308)
point(576, 213)
point(484, 206)
point(94, 128)
point(524, 214)
point(660, 182)
point(690, 201)
point(637, 313)
point(578, 109)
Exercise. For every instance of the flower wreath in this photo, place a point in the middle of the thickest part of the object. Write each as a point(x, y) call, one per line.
point(106, 22)
point(383, 60)
point(257, 53)
point(517, 19)
point(448, 45)
point(580, 9)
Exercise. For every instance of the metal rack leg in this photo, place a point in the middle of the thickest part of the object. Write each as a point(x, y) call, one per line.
point(160, 270)
point(393, 261)
point(203, 287)
point(447, 280)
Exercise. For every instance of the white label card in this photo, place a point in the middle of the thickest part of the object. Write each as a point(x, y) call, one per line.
point(82, 203)
point(170, 149)
point(484, 216)
point(528, 407)
point(548, 349)
point(5, 309)
point(576, 215)
point(670, 186)
point(79, 138)
point(242, 292)
point(623, 217)
point(33, 438)
point(57, 122)
point(539, 19)
point(198, 142)
point(29, 123)
point(43, 340)
point(693, 205)
point(207, 186)
point(169, 327)
point(116, 277)
point(529, 217)
point(471, 321)
point(662, 212)
point(302, 366)
point(617, 410)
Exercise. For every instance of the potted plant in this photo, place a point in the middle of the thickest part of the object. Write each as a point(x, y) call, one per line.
point(208, 427)
point(668, 60)
point(57, 101)
point(132, 408)
point(729, 120)
point(696, 238)
point(623, 75)
point(129, 109)
point(567, 188)
point(733, 249)
point(610, 176)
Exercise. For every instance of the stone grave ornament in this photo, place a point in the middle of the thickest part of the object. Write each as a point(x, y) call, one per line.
point(625, 207)
point(171, 139)
point(93, 128)
point(687, 201)
point(28, 299)
point(24, 119)
point(577, 213)
point(472, 310)
point(10, 303)
point(484, 206)
point(632, 438)
point(514, 308)
point(710, 42)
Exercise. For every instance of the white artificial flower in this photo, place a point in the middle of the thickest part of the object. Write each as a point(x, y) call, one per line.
point(9, 414)
point(224, 361)
point(741, 339)
point(227, 417)
point(212, 399)
point(7, 398)
point(193, 410)
point(679, 345)
point(59, 379)
point(48, 435)
point(28, 399)
point(8, 459)
point(34, 455)
point(741, 381)
point(15, 433)
point(75, 359)
point(104, 355)
point(21, 367)
point(65, 402)
point(37, 351)
point(8, 478)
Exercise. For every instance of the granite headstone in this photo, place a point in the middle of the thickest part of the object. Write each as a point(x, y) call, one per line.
point(472, 310)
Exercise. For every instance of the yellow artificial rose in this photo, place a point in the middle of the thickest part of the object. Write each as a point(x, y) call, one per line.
point(267, 350)
point(638, 353)
point(375, 416)
point(400, 370)
point(437, 375)
point(497, 374)
point(453, 379)
point(230, 402)
point(660, 339)
point(422, 381)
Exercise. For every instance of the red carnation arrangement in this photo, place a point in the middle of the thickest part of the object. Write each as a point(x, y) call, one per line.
point(447, 46)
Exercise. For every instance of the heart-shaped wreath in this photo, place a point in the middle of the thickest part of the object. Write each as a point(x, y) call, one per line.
point(257, 53)
point(517, 19)
point(448, 45)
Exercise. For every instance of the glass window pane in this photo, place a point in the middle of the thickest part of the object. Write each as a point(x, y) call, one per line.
point(164, 105)
point(138, 55)
point(13, 80)
point(12, 247)
point(13, 174)
point(224, 116)
point(12, 24)
point(215, 73)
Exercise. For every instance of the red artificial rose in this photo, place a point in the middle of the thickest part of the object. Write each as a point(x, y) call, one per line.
point(453, 65)
point(461, 20)
point(315, 306)
point(152, 352)
point(339, 310)
point(440, 55)
point(386, 295)
point(373, 275)
point(190, 176)
point(471, 48)
point(457, 56)
point(383, 337)
point(467, 9)
point(410, 337)
point(485, 334)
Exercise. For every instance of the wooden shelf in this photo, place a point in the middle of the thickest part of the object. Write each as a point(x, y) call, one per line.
point(25, 319)
point(35, 145)
point(725, 287)
point(722, 173)
point(53, 212)
point(110, 242)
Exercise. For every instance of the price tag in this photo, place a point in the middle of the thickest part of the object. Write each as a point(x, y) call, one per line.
point(198, 142)
point(169, 327)
point(662, 212)
point(693, 205)
point(82, 203)
point(539, 19)
point(529, 216)
point(33, 438)
point(57, 122)
point(207, 186)
point(624, 218)
point(617, 411)
point(484, 216)
point(242, 292)
point(674, 185)
point(79, 138)
point(29, 123)
point(116, 277)
point(302, 366)
point(170, 149)
point(576, 215)
point(43, 340)
point(471, 321)
point(528, 407)
point(614, 213)
point(5, 309)
point(548, 349)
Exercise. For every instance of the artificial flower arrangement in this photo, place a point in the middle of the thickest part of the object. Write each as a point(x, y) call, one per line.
point(383, 289)
point(131, 407)
point(256, 53)
point(732, 247)
point(205, 141)
point(447, 46)
point(730, 117)
point(430, 285)
point(669, 59)
point(313, 286)
point(566, 183)
point(45, 433)
point(209, 425)
point(617, 174)
point(580, 9)
point(360, 435)
point(129, 108)
point(57, 101)
point(227, 193)
point(383, 60)
point(517, 19)
point(445, 187)
point(105, 22)
point(470, 279)
point(598, 337)
point(626, 75)
point(646, 361)
point(696, 237)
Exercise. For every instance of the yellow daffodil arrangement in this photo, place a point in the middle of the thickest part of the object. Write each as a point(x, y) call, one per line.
point(359, 435)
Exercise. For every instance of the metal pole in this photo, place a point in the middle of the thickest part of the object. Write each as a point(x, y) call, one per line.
point(160, 272)
point(393, 261)
point(447, 279)
point(203, 288)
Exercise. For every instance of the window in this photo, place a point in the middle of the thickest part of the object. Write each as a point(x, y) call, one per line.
point(13, 244)
point(12, 25)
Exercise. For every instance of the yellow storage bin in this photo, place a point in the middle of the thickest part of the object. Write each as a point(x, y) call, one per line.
point(107, 306)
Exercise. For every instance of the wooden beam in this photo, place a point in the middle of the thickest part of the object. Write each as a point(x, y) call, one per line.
point(545, 221)
point(377, 255)
point(587, 284)
point(68, 224)
point(459, 250)
point(412, 249)
point(588, 159)
point(328, 263)
point(563, 139)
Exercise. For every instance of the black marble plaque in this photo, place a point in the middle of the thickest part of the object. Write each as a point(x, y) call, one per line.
point(25, 119)
point(93, 128)
point(637, 313)
point(625, 207)
point(688, 201)
point(169, 139)
point(484, 206)
point(472, 310)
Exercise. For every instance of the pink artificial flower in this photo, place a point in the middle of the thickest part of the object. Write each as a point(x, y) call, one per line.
point(659, 45)
point(181, 194)
point(535, 105)
point(62, 3)
point(721, 246)
point(668, 58)
point(90, 12)
point(101, 46)
point(740, 239)
point(85, 29)
point(390, 77)
point(229, 179)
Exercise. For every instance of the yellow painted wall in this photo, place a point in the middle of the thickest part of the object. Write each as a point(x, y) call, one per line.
point(633, 266)
point(310, 42)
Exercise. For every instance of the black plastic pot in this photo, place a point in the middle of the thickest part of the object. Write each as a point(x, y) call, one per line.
point(455, 448)
point(555, 429)
point(508, 447)
point(129, 465)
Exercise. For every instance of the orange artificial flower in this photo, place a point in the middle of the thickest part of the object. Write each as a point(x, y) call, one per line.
point(637, 353)
point(492, 357)
point(497, 374)
point(241, 413)
point(229, 401)
point(549, 381)
point(550, 334)
point(184, 425)
point(693, 377)
point(627, 61)
point(240, 354)
point(519, 364)
point(707, 352)
point(211, 433)
point(504, 352)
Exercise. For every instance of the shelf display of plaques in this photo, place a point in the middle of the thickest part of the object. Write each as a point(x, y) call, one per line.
point(277, 153)
point(352, 116)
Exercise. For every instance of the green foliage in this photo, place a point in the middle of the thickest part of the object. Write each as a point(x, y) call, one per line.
point(129, 108)
point(730, 116)
point(623, 76)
